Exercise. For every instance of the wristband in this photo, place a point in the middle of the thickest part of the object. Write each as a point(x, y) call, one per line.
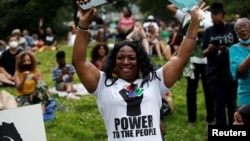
point(82, 29)
point(191, 37)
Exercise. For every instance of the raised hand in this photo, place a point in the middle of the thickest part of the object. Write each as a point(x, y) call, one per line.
point(196, 14)
point(85, 15)
point(202, 5)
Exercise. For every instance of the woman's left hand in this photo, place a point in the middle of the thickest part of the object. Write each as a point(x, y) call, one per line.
point(196, 14)
point(202, 6)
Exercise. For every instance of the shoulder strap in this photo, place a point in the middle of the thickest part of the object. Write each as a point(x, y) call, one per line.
point(184, 19)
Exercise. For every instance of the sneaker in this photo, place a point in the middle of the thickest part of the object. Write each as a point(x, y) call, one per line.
point(72, 96)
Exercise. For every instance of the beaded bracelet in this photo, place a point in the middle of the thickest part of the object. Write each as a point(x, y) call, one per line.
point(191, 37)
point(82, 29)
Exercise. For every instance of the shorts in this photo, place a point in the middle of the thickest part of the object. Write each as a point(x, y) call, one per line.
point(94, 33)
point(155, 41)
point(60, 86)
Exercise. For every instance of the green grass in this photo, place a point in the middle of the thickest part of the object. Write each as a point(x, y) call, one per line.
point(81, 120)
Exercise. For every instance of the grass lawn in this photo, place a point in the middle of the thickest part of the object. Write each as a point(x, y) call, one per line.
point(81, 121)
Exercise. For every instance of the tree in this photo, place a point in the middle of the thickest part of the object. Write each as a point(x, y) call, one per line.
point(158, 8)
point(25, 14)
point(236, 7)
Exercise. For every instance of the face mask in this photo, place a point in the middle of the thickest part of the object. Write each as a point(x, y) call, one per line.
point(26, 67)
point(62, 65)
point(247, 41)
point(13, 44)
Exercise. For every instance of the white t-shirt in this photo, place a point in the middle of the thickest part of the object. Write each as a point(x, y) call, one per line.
point(140, 121)
point(146, 25)
point(72, 38)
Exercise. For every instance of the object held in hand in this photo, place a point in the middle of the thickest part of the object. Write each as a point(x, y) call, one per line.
point(95, 3)
point(185, 5)
point(26, 72)
point(29, 77)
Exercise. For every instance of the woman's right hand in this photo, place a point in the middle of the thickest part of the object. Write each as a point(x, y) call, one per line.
point(65, 71)
point(8, 76)
point(25, 74)
point(211, 48)
point(85, 15)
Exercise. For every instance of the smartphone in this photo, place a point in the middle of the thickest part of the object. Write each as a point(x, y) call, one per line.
point(215, 43)
point(95, 3)
point(29, 77)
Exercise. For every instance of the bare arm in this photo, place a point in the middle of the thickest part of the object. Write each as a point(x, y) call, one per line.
point(88, 74)
point(65, 71)
point(244, 66)
point(54, 43)
point(174, 67)
point(38, 77)
point(168, 52)
point(20, 82)
point(152, 36)
point(172, 9)
point(210, 49)
point(8, 76)
point(143, 33)
point(130, 35)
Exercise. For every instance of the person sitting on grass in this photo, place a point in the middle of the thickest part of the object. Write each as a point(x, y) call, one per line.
point(8, 59)
point(63, 75)
point(98, 54)
point(4, 80)
point(31, 88)
point(50, 41)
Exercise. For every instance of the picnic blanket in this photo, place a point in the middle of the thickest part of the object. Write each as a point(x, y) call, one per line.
point(81, 90)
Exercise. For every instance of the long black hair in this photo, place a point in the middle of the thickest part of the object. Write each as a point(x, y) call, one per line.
point(244, 111)
point(143, 61)
point(94, 51)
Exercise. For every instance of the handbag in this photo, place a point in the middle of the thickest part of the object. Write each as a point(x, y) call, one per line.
point(7, 100)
